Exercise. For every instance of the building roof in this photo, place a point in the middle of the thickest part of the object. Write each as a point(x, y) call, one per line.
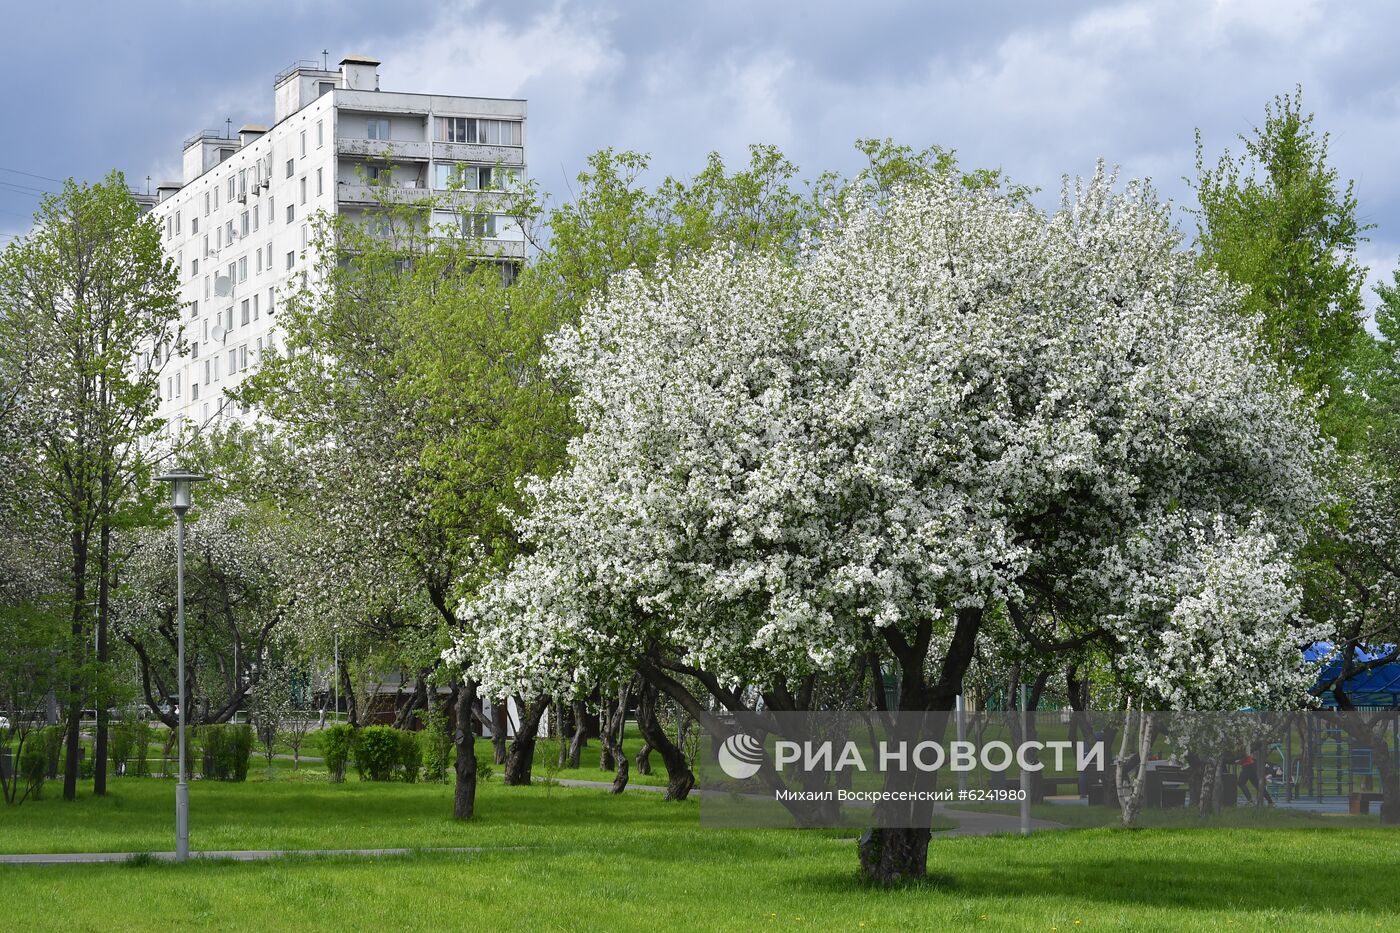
point(359, 60)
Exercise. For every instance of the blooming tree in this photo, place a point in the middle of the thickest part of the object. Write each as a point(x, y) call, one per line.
point(949, 403)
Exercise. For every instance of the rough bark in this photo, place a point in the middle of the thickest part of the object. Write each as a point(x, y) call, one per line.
point(611, 735)
point(679, 778)
point(464, 793)
point(352, 706)
point(520, 755)
point(580, 737)
point(78, 647)
point(500, 712)
point(644, 758)
point(891, 856)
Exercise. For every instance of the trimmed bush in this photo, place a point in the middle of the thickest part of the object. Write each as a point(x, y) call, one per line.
point(123, 745)
point(335, 743)
point(410, 755)
point(377, 753)
point(226, 749)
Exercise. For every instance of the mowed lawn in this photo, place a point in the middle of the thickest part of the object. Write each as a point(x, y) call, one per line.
point(594, 862)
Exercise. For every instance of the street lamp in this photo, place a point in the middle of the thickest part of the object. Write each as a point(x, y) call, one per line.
point(181, 481)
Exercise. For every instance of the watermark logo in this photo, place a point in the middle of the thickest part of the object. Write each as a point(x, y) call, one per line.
point(741, 756)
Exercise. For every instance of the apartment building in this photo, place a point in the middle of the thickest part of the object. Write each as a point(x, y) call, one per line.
point(238, 225)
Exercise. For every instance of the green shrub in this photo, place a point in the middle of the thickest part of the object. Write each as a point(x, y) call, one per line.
point(86, 764)
point(141, 738)
point(34, 764)
point(377, 753)
point(437, 746)
point(241, 750)
point(335, 743)
point(410, 755)
point(122, 746)
point(52, 739)
point(226, 749)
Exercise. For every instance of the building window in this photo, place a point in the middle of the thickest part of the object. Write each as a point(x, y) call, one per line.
point(194, 390)
point(216, 197)
point(377, 128)
point(305, 235)
point(243, 224)
point(255, 218)
point(320, 133)
point(303, 144)
point(291, 212)
point(243, 183)
point(228, 232)
point(243, 357)
point(479, 225)
point(194, 225)
point(232, 362)
point(291, 167)
point(326, 88)
point(206, 204)
point(194, 267)
point(206, 287)
point(243, 269)
point(257, 260)
point(379, 174)
point(243, 318)
point(177, 222)
point(291, 258)
point(320, 182)
point(472, 130)
point(303, 189)
point(231, 182)
point(194, 350)
point(206, 372)
point(255, 306)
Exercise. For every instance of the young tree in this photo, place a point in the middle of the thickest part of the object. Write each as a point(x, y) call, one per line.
point(1278, 219)
point(951, 406)
point(91, 305)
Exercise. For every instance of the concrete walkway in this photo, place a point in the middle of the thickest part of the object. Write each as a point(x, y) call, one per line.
point(243, 855)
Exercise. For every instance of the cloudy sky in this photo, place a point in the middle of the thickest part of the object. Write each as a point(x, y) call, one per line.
point(1038, 88)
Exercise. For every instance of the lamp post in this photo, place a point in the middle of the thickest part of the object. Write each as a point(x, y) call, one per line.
point(181, 481)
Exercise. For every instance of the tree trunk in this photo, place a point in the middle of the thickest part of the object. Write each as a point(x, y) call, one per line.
point(419, 698)
point(520, 756)
point(644, 758)
point(612, 733)
point(99, 750)
point(352, 706)
point(679, 778)
point(499, 726)
point(1132, 776)
point(1390, 798)
point(464, 794)
point(889, 856)
point(580, 736)
point(79, 648)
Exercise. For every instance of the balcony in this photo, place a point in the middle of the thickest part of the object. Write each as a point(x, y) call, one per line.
point(386, 149)
point(474, 152)
point(358, 193)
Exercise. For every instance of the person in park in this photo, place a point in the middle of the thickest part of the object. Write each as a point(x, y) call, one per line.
point(1249, 774)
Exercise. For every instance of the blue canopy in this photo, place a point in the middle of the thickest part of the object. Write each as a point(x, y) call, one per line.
point(1379, 686)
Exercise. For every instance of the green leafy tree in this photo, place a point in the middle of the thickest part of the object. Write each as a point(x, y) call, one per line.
point(92, 315)
point(1278, 219)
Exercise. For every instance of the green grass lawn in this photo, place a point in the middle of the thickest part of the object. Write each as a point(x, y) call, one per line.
point(596, 862)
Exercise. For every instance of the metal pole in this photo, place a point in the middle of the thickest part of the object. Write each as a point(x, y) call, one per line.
point(961, 710)
point(182, 789)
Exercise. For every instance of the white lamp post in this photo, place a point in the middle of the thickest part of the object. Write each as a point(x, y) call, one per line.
point(181, 481)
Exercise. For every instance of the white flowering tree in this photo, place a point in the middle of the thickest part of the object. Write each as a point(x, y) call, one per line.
point(952, 402)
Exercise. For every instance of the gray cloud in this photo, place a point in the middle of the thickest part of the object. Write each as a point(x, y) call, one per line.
point(1038, 89)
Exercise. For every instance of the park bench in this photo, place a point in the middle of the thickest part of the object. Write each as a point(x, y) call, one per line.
point(1360, 802)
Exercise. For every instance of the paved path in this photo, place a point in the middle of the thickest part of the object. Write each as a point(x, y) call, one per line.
point(237, 855)
point(970, 822)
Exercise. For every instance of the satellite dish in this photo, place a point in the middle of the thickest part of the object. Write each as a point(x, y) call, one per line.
point(218, 332)
point(223, 286)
